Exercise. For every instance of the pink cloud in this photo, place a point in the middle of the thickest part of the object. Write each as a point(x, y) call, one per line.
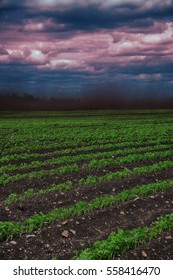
point(83, 50)
point(149, 76)
point(46, 25)
point(3, 51)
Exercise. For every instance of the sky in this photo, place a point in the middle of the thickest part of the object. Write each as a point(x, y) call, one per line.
point(61, 47)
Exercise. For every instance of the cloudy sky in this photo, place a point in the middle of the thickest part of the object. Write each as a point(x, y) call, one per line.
point(67, 46)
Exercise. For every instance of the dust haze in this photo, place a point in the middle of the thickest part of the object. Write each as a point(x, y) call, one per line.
point(97, 98)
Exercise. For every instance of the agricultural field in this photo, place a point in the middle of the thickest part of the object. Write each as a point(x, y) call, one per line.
point(86, 185)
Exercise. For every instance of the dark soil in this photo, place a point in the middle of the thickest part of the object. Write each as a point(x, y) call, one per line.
point(46, 154)
point(160, 248)
point(48, 242)
point(38, 183)
point(19, 211)
point(59, 147)
point(83, 230)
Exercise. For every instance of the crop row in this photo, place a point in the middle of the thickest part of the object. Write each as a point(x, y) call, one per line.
point(128, 159)
point(6, 179)
point(66, 151)
point(110, 176)
point(9, 229)
point(89, 181)
point(88, 136)
point(124, 240)
point(14, 197)
point(42, 133)
point(74, 168)
point(94, 163)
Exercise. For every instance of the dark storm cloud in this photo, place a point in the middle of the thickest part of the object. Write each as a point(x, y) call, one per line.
point(26, 79)
point(94, 17)
point(51, 46)
point(86, 17)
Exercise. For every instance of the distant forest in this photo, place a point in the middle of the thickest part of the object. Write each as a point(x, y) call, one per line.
point(95, 101)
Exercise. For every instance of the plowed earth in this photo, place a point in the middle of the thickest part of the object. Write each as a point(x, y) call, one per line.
point(82, 231)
